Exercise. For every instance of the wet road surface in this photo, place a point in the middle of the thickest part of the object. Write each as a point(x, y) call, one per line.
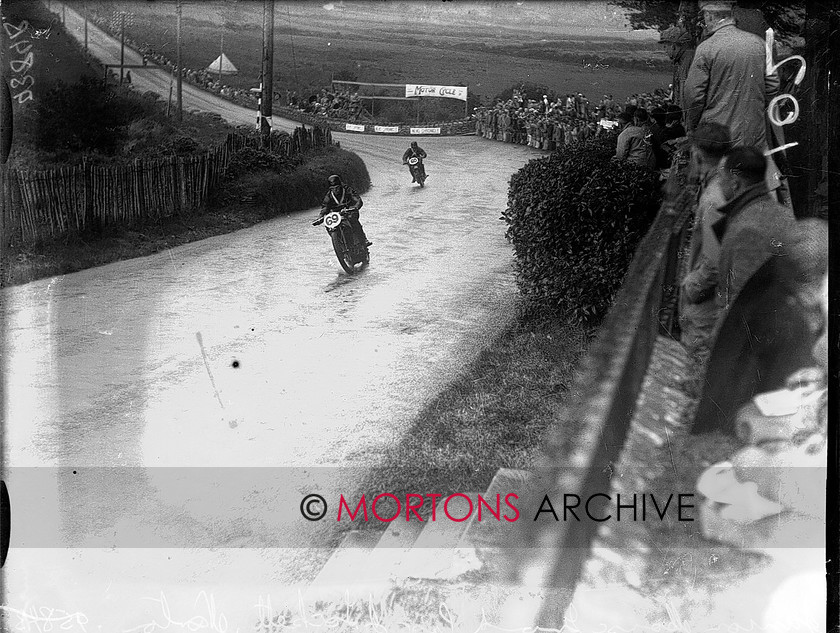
point(165, 381)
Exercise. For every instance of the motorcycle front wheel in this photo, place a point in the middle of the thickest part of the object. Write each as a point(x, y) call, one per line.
point(342, 251)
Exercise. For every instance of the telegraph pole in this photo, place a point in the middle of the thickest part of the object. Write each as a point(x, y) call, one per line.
point(178, 62)
point(84, 9)
point(122, 44)
point(221, 52)
point(267, 70)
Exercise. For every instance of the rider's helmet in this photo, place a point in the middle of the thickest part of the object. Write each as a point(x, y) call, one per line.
point(413, 144)
point(335, 181)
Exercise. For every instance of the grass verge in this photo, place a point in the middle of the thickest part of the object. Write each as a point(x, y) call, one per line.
point(495, 415)
point(265, 194)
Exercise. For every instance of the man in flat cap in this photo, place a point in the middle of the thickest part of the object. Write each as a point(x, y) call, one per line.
point(680, 49)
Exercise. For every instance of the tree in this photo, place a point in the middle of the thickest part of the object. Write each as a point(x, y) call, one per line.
point(787, 19)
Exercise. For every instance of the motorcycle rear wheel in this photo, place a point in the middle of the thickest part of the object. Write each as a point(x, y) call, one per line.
point(342, 252)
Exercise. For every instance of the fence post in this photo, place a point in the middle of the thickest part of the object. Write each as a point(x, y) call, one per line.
point(176, 189)
point(87, 221)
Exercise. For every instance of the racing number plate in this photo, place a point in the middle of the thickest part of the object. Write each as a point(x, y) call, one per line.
point(413, 160)
point(332, 220)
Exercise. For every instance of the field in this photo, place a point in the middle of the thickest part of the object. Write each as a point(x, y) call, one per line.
point(570, 47)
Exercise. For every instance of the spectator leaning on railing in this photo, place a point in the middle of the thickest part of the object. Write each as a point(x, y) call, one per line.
point(764, 328)
point(770, 495)
point(755, 227)
point(698, 309)
point(681, 52)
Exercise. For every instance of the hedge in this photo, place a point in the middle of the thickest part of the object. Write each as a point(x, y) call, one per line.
point(574, 219)
point(298, 185)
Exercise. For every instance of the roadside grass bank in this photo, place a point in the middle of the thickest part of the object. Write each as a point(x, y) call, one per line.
point(494, 415)
point(245, 199)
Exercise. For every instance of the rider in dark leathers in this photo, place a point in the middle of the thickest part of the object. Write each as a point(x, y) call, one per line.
point(415, 150)
point(344, 196)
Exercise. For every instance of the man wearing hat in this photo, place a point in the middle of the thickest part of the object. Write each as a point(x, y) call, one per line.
point(680, 49)
point(727, 83)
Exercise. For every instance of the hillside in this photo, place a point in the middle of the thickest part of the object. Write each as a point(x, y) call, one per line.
point(70, 117)
point(486, 45)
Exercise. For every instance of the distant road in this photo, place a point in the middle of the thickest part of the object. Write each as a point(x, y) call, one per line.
point(157, 78)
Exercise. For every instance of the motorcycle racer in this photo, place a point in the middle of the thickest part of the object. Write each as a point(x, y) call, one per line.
point(415, 150)
point(343, 196)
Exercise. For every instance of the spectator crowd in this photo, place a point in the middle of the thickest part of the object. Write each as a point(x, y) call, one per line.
point(645, 123)
point(545, 123)
point(337, 104)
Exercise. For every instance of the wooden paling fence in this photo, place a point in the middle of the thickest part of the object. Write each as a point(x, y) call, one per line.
point(39, 205)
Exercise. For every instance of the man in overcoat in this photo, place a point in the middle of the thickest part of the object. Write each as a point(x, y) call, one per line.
point(727, 83)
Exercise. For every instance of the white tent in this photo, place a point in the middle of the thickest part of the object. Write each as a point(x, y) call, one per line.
point(227, 67)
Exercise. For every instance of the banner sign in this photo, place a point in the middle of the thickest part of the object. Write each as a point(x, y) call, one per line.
point(425, 130)
point(450, 92)
point(352, 127)
point(386, 128)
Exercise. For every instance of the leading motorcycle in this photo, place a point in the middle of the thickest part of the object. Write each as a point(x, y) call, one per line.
point(349, 249)
point(414, 166)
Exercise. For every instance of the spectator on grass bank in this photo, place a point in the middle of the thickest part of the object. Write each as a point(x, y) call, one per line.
point(698, 309)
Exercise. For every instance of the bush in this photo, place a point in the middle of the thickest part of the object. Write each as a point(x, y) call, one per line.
point(77, 117)
point(301, 187)
point(87, 117)
point(575, 218)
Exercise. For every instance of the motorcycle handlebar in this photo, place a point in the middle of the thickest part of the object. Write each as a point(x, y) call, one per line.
point(343, 211)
